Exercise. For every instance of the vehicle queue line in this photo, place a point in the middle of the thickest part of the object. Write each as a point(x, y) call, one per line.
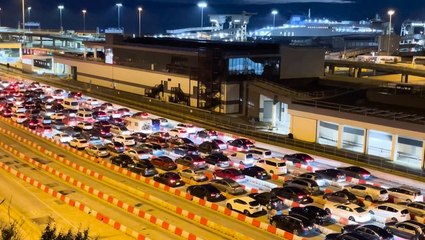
point(73, 203)
point(176, 192)
point(97, 193)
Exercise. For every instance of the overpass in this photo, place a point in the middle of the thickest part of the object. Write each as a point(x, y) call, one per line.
point(355, 68)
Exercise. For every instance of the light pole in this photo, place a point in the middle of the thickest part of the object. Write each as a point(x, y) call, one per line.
point(60, 7)
point(274, 12)
point(0, 17)
point(119, 5)
point(23, 18)
point(140, 9)
point(84, 11)
point(29, 14)
point(202, 5)
point(390, 12)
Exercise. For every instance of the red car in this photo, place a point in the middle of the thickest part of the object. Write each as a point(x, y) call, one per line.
point(232, 173)
point(141, 114)
point(164, 163)
point(158, 140)
point(44, 128)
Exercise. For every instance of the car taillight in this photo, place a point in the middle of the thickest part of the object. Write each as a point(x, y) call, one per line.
point(213, 194)
point(172, 181)
point(300, 196)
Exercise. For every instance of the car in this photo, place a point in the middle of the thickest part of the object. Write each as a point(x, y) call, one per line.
point(163, 122)
point(100, 115)
point(59, 125)
point(7, 113)
point(416, 208)
point(405, 193)
point(409, 229)
point(43, 128)
point(139, 153)
point(218, 159)
point(141, 114)
point(228, 185)
point(171, 179)
point(368, 192)
point(350, 211)
point(207, 192)
point(107, 106)
point(300, 158)
point(390, 212)
point(260, 153)
point(158, 140)
point(296, 224)
point(292, 193)
point(342, 196)
point(121, 160)
point(206, 134)
point(308, 185)
point(179, 141)
point(190, 129)
point(320, 180)
point(139, 136)
point(256, 172)
point(317, 214)
point(183, 150)
point(102, 123)
point(178, 132)
point(222, 145)
point(97, 150)
point(331, 174)
point(119, 130)
point(103, 132)
point(62, 137)
point(231, 173)
point(272, 165)
point(208, 147)
point(31, 123)
point(58, 115)
point(242, 158)
point(79, 143)
point(164, 135)
point(270, 202)
point(155, 148)
point(19, 118)
point(372, 232)
point(192, 161)
point(347, 236)
point(246, 205)
point(126, 140)
point(115, 147)
point(164, 163)
point(194, 175)
point(239, 144)
point(142, 167)
point(70, 121)
point(85, 125)
point(355, 172)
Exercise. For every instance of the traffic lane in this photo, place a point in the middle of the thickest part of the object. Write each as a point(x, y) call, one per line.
point(121, 194)
point(94, 203)
point(183, 203)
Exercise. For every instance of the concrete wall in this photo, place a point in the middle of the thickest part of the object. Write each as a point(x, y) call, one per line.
point(301, 62)
point(230, 97)
point(304, 128)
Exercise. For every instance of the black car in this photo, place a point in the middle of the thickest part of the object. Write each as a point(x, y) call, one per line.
point(256, 172)
point(139, 137)
point(207, 134)
point(355, 172)
point(207, 192)
point(318, 215)
point(269, 201)
point(184, 150)
point(208, 147)
point(142, 167)
point(343, 196)
point(115, 147)
point(292, 193)
point(240, 143)
point(122, 160)
point(332, 174)
point(308, 185)
point(371, 231)
point(101, 132)
point(171, 179)
point(192, 161)
point(347, 236)
point(176, 141)
point(409, 229)
point(300, 158)
point(218, 159)
point(296, 224)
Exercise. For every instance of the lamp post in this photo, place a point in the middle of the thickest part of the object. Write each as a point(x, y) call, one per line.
point(202, 5)
point(29, 14)
point(139, 10)
point(390, 12)
point(274, 12)
point(0, 17)
point(60, 7)
point(23, 18)
point(84, 11)
point(119, 5)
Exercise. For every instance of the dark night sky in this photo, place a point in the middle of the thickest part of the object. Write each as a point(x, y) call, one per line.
point(159, 15)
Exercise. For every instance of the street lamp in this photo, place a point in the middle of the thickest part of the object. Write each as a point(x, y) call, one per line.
point(274, 12)
point(29, 14)
point(84, 11)
point(60, 7)
point(140, 9)
point(0, 17)
point(390, 12)
point(202, 5)
point(119, 5)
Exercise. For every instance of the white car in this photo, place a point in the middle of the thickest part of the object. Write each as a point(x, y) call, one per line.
point(390, 212)
point(119, 130)
point(19, 118)
point(188, 127)
point(126, 140)
point(246, 205)
point(57, 116)
point(85, 125)
point(139, 153)
point(79, 143)
point(405, 194)
point(97, 151)
point(178, 132)
point(350, 211)
point(62, 137)
point(195, 175)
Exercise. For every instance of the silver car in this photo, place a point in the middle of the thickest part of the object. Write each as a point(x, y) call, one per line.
point(228, 185)
point(194, 175)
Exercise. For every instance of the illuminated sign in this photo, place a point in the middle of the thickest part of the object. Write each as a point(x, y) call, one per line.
point(43, 63)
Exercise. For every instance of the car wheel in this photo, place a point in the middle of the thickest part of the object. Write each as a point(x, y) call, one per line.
point(241, 163)
point(229, 206)
point(394, 219)
point(296, 232)
point(371, 212)
point(409, 200)
point(271, 172)
point(351, 218)
point(368, 198)
point(328, 210)
point(246, 212)
point(192, 179)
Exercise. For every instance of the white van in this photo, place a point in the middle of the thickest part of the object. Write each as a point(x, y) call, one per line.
point(242, 158)
point(70, 103)
point(260, 153)
point(85, 116)
point(273, 165)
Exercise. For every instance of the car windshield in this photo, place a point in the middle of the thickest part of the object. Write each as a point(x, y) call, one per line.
point(234, 184)
point(359, 209)
point(253, 203)
point(281, 164)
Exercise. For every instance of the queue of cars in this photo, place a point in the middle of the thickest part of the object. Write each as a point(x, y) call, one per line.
point(101, 130)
